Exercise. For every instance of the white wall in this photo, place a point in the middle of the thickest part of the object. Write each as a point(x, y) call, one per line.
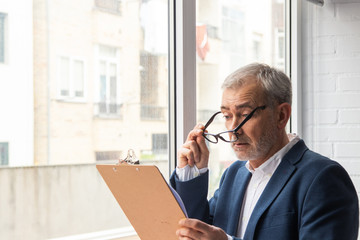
point(16, 82)
point(331, 82)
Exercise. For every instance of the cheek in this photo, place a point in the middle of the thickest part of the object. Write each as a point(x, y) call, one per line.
point(255, 129)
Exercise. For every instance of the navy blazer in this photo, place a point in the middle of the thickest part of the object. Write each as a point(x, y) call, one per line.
point(308, 197)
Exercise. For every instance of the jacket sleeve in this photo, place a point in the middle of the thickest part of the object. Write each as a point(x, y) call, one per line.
point(330, 210)
point(194, 195)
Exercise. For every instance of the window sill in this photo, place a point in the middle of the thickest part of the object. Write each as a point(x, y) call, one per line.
point(125, 233)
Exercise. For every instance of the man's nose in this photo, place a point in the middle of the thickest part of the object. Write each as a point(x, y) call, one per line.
point(235, 124)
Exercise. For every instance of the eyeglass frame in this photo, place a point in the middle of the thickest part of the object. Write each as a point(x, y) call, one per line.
point(234, 131)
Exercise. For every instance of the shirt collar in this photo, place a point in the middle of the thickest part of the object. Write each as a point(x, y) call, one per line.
point(273, 162)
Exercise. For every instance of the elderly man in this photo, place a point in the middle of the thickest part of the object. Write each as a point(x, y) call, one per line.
point(279, 189)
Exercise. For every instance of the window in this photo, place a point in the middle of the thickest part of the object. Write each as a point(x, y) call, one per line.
point(257, 44)
point(108, 82)
point(71, 78)
point(151, 106)
point(101, 77)
point(247, 35)
point(4, 153)
point(280, 48)
point(159, 143)
point(2, 37)
point(97, 73)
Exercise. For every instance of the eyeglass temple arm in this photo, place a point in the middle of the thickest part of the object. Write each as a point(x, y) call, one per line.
point(211, 119)
point(247, 118)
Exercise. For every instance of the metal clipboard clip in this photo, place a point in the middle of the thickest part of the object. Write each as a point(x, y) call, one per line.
point(130, 158)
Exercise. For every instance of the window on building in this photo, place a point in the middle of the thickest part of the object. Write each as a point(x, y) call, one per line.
point(4, 153)
point(150, 89)
point(2, 37)
point(108, 82)
point(159, 143)
point(280, 48)
point(71, 78)
point(257, 44)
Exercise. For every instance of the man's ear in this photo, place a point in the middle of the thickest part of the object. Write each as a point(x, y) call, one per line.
point(283, 113)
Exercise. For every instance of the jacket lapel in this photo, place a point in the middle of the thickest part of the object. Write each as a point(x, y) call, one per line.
point(241, 181)
point(275, 185)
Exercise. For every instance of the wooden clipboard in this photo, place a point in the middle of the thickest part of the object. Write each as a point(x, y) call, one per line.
point(145, 198)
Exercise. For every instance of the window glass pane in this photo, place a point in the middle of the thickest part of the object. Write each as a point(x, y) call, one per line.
point(102, 87)
point(82, 72)
point(64, 76)
point(113, 89)
point(231, 34)
point(78, 78)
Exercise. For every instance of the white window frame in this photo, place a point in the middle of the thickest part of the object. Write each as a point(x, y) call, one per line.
point(71, 97)
point(293, 62)
point(182, 60)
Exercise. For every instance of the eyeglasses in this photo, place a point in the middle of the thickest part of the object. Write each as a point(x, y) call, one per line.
point(231, 135)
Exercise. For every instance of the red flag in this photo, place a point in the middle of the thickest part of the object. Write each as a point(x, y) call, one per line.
point(202, 43)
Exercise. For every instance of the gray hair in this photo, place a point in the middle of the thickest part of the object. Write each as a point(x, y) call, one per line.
point(276, 85)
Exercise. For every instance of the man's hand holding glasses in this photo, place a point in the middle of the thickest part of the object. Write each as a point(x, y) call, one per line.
point(194, 151)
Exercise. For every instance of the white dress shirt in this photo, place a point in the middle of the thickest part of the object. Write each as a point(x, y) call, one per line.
point(259, 180)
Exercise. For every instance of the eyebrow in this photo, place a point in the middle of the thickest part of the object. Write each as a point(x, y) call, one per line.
point(240, 106)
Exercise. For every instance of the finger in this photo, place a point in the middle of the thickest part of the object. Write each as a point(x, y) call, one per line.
point(184, 238)
point(196, 132)
point(188, 233)
point(194, 224)
point(202, 145)
point(194, 148)
point(204, 153)
point(185, 157)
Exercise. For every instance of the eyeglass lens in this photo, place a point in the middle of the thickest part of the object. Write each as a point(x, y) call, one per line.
point(225, 136)
point(218, 126)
